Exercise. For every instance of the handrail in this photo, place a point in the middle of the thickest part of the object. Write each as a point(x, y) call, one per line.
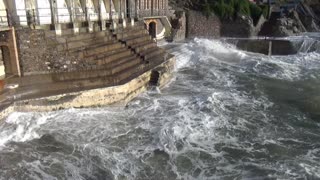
point(40, 16)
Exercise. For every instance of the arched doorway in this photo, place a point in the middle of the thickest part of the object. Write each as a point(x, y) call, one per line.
point(153, 29)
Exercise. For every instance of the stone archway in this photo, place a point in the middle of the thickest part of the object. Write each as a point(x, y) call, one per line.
point(151, 25)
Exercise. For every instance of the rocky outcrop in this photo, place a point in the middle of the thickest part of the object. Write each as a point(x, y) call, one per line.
point(283, 25)
point(178, 31)
point(242, 26)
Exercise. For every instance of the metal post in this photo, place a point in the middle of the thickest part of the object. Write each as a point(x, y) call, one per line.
point(33, 17)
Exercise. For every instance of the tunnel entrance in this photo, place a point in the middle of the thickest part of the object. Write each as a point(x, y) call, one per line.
point(153, 29)
point(154, 79)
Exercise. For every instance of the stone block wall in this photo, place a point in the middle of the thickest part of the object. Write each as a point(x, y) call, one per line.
point(40, 54)
point(199, 25)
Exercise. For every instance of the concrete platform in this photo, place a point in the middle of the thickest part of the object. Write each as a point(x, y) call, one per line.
point(49, 93)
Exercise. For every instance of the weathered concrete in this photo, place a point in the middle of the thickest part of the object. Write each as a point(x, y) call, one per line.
point(267, 46)
point(115, 95)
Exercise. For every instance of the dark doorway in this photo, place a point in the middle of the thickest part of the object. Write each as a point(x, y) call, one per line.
point(154, 79)
point(5, 63)
point(153, 29)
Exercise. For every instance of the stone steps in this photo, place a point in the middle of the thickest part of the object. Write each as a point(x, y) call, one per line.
point(137, 39)
point(75, 45)
point(113, 70)
point(133, 33)
point(139, 47)
point(99, 49)
point(129, 29)
point(152, 52)
point(109, 58)
point(81, 37)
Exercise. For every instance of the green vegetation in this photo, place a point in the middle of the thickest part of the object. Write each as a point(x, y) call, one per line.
point(229, 9)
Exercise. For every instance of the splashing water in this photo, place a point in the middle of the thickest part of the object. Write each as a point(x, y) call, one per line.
point(228, 114)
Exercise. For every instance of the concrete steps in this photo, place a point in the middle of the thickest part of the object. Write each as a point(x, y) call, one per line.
point(136, 39)
point(151, 52)
point(113, 56)
point(143, 46)
point(116, 70)
point(75, 45)
point(100, 49)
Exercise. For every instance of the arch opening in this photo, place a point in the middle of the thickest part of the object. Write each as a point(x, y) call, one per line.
point(154, 79)
point(153, 29)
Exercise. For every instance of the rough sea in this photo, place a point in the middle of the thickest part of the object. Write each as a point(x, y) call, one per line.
point(226, 114)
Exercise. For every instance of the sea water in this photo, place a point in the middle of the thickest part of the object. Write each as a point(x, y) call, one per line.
point(227, 114)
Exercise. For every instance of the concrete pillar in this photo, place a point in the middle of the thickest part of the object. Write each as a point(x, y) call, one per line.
point(76, 28)
point(17, 11)
point(103, 25)
point(114, 25)
point(58, 29)
point(91, 26)
point(270, 48)
point(124, 22)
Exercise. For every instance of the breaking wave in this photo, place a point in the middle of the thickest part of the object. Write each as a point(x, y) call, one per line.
point(229, 114)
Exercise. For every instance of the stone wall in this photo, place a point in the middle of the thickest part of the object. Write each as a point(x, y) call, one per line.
point(241, 27)
point(200, 26)
point(41, 54)
point(267, 46)
point(179, 27)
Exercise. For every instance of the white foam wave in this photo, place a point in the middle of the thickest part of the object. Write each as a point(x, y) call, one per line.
point(21, 127)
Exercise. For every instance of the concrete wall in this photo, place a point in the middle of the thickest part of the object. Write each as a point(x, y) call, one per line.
point(267, 47)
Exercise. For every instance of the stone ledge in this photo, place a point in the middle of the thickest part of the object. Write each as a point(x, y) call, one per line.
point(115, 95)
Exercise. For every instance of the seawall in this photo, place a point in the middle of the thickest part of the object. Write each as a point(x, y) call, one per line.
point(114, 95)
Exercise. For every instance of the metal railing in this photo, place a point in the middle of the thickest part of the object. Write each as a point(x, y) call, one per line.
point(42, 16)
point(153, 12)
